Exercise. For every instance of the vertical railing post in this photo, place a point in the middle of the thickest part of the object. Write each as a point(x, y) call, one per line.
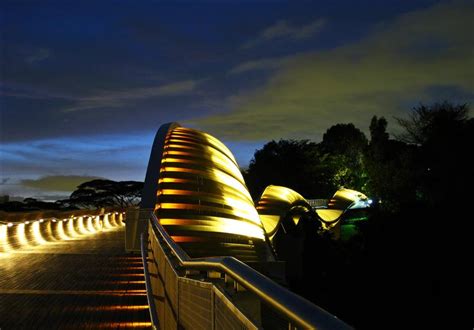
point(213, 311)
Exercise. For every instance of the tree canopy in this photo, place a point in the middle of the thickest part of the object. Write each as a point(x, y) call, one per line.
point(445, 135)
point(101, 193)
point(344, 139)
point(426, 123)
point(422, 177)
point(314, 170)
point(427, 162)
point(290, 163)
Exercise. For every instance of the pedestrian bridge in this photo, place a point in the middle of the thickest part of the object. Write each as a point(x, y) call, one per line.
point(209, 259)
point(205, 261)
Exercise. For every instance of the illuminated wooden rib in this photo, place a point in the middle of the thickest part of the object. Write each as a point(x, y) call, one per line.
point(345, 198)
point(202, 200)
point(278, 202)
point(342, 200)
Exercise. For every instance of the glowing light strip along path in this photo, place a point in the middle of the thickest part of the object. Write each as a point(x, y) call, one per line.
point(16, 236)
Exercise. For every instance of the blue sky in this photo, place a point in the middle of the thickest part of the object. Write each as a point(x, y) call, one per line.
point(85, 84)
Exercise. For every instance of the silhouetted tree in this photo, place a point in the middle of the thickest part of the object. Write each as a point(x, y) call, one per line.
point(313, 170)
point(344, 139)
point(294, 164)
point(445, 134)
point(428, 124)
point(14, 206)
point(378, 130)
point(101, 193)
point(391, 166)
point(32, 204)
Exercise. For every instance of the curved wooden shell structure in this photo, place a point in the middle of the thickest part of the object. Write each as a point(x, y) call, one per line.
point(201, 198)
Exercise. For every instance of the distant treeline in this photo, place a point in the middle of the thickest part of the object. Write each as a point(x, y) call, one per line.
point(89, 195)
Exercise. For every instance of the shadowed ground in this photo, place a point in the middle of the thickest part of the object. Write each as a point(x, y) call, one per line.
point(87, 282)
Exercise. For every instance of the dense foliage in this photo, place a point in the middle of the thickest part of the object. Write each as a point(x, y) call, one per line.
point(88, 195)
point(425, 164)
point(314, 170)
point(391, 273)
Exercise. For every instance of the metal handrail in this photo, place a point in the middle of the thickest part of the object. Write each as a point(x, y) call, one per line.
point(149, 290)
point(298, 310)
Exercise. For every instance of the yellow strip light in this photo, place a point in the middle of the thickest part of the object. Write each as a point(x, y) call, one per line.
point(274, 203)
point(225, 190)
point(60, 230)
point(114, 220)
point(201, 192)
point(70, 228)
point(343, 198)
point(229, 226)
point(41, 231)
point(120, 325)
point(4, 246)
point(197, 147)
point(90, 225)
point(37, 233)
point(113, 308)
point(107, 224)
point(120, 219)
point(213, 174)
point(97, 223)
point(21, 235)
point(81, 227)
point(207, 138)
point(230, 199)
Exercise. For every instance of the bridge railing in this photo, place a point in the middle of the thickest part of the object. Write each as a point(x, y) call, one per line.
point(318, 203)
point(219, 292)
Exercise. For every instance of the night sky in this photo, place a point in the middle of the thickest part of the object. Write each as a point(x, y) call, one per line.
point(85, 84)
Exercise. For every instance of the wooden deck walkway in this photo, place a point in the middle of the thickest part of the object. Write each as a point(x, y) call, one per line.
point(85, 283)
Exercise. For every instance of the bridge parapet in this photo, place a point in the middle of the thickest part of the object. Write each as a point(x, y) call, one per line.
point(218, 292)
point(137, 220)
point(203, 235)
